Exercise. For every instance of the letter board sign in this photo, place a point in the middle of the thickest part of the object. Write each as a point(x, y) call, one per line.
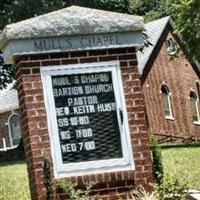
point(87, 116)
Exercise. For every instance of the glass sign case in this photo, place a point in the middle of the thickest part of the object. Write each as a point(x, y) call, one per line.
point(87, 118)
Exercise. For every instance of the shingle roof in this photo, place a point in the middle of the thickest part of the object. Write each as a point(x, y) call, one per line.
point(154, 31)
point(8, 99)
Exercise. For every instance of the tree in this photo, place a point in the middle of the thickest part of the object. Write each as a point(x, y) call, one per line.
point(15, 10)
point(4, 9)
point(6, 73)
point(111, 5)
point(186, 14)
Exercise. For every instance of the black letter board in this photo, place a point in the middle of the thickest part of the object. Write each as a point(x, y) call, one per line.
point(86, 117)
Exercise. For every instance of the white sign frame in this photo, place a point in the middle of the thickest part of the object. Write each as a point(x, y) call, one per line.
point(88, 167)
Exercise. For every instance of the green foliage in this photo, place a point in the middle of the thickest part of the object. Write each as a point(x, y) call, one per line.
point(151, 10)
point(4, 9)
point(69, 188)
point(76, 194)
point(143, 7)
point(157, 161)
point(171, 189)
point(111, 5)
point(16, 10)
point(142, 194)
point(7, 74)
point(186, 14)
point(47, 176)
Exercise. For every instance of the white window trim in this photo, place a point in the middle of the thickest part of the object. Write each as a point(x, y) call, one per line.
point(170, 117)
point(81, 168)
point(171, 47)
point(9, 130)
point(197, 107)
point(197, 123)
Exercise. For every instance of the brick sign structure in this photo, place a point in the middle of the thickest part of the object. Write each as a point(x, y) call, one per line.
point(81, 99)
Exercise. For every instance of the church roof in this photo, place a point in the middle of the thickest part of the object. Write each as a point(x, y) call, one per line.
point(8, 99)
point(70, 21)
point(153, 30)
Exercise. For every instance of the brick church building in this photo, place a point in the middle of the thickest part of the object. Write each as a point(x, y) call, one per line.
point(171, 86)
point(10, 129)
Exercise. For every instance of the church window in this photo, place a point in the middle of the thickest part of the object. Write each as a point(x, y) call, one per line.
point(14, 124)
point(171, 47)
point(194, 107)
point(166, 102)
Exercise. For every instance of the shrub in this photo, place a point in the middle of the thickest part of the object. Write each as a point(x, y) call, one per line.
point(76, 194)
point(157, 161)
point(142, 194)
point(47, 176)
point(171, 189)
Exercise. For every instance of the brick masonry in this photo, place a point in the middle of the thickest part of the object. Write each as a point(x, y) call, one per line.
point(180, 77)
point(35, 133)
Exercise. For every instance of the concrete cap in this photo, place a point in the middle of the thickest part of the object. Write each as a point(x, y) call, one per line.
point(70, 21)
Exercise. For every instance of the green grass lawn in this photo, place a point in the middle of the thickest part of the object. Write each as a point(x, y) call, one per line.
point(14, 181)
point(183, 164)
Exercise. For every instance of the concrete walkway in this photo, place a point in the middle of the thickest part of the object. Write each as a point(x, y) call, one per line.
point(194, 194)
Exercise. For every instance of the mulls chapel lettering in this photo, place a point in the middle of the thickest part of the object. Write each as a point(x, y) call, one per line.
point(67, 43)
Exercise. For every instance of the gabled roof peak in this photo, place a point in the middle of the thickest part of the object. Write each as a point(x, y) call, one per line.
point(153, 31)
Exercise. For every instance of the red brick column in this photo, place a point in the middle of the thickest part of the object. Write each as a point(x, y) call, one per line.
point(35, 133)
